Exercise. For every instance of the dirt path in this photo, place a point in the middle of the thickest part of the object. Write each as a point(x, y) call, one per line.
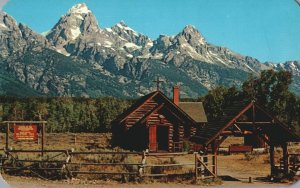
point(22, 182)
point(50, 184)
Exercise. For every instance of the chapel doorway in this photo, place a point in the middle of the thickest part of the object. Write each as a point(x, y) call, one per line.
point(163, 138)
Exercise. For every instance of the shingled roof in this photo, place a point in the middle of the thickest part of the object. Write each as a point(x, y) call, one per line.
point(276, 131)
point(195, 110)
point(151, 107)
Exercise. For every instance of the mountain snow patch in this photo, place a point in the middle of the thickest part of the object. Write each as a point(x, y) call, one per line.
point(75, 33)
point(132, 45)
point(63, 52)
point(107, 44)
point(129, 55)
point(79, 17)
point(149, 44)
point(2, 25)
point(109, 30)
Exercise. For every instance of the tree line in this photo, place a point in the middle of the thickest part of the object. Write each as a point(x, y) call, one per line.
point(64, 114)
point(68, 114)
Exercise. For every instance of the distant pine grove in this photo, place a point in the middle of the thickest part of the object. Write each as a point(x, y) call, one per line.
point(68, 114)
point(64, 114)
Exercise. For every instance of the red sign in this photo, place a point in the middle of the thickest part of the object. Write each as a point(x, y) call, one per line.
point(25, 132)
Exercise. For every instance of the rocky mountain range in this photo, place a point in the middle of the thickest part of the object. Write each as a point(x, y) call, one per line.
point(79, 58)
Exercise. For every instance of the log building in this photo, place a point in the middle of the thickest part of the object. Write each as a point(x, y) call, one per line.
point(156, 123)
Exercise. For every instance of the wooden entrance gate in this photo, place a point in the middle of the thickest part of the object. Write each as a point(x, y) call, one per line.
point(205, 166)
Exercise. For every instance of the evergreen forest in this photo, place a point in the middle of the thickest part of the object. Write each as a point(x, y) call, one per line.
point(68, 114)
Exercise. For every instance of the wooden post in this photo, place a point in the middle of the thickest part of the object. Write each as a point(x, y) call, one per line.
point(6, 136)
point(204, 159)
point(196, 166)
point(202, 170)
point(272, 160)
point(143, 162)
point(285, 159)
point(250, 180)
point(75, 139)
point(214, 158)
point(253, 115)
point(43, 138)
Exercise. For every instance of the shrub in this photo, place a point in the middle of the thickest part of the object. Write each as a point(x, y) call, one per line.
point(186, 146)
point(251, 155)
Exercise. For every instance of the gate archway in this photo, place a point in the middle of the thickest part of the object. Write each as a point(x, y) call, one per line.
point(248, 120)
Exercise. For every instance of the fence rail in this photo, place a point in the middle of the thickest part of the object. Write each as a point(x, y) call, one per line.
point(72, 163)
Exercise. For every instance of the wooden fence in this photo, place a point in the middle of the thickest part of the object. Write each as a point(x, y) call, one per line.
point(293, 163)
point(58, 164)
point(160, 170)
point(103, 171)
point(38, 165)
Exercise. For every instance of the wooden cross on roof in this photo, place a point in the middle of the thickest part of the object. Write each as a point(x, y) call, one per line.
point(157, 81)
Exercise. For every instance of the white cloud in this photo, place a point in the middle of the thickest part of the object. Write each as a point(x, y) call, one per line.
point(2, 3)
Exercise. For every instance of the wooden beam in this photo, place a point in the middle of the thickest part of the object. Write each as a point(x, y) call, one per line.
point(238, 128)
point(139, 106)
point(272, 159)
point(257, 122)
point(221, 140)
point(214, 158)
point(285, 158)
point(236, 133)
point(265, 138)
point(284, 126)
point(204, 163)
point(230, 123)
point(146, 117)
point(43, 138)
point(253, 116)
point(196, 166)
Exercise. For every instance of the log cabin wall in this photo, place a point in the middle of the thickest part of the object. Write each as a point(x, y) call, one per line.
point(152, 118)
point(181, 133)
point(158, 119)
point(193, 131)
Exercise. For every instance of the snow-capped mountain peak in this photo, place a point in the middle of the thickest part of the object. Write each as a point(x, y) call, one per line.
point(80, 8)
point(129, 34)
point(78, 21)
point(192, 35)
point(124, 26)
point(120, 57)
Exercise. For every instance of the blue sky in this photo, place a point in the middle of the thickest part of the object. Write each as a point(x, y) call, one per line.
point(268, 30)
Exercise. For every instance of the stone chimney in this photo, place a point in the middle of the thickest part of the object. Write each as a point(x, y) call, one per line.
point(176, 95)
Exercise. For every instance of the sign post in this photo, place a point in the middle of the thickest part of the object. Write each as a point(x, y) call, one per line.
point(25, 131)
